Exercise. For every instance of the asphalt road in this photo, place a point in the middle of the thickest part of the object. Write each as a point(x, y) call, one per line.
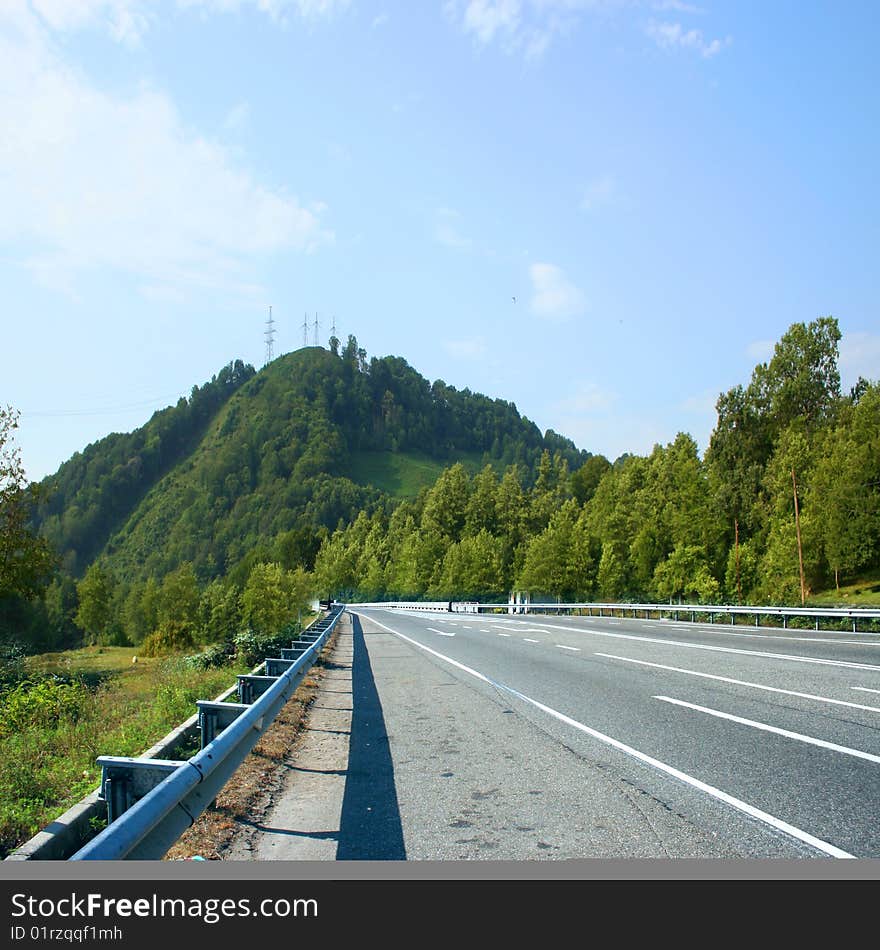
point(525, 737)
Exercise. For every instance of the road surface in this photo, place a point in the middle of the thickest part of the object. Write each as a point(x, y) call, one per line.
point(449, 736)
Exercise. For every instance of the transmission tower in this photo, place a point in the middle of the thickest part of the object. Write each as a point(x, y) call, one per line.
point(316, 329)
point(333, 327)
point(305, 329)
point(270, 336)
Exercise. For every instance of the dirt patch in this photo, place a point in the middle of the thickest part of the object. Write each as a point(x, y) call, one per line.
point(252, 789)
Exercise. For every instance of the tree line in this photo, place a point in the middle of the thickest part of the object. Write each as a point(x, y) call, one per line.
point(785, 501)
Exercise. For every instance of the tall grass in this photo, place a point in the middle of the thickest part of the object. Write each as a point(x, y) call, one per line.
point(54, 725)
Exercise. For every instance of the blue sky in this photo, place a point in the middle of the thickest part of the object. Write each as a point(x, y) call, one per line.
point(663, 187)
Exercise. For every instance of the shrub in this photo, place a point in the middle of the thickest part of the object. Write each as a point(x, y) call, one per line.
point(43, 704)
point(171, 636)
point(218, 655)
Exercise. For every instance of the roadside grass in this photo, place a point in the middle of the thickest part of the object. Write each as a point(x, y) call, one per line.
point(97, 703)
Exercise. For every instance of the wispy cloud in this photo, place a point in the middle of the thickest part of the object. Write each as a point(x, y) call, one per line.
point(527, 27)
point(675, 36)
point(237, 117)
point(474, 348)
point(760, 350)
point(600, 191)
point(702, 403)
point(589, 398)
point(127, 21)
point(90, 180)
point(447, 230)
point(677, 6)
point(554, 296)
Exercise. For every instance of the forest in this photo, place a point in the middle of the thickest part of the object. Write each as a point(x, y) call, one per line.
point(791, 455)
point(245, 497)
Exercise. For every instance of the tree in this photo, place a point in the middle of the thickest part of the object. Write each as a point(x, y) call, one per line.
point(95, 612)
point(179, 597)
point(26, 560)
point(685, 574)
point(585, 480)
point(558, 560)
point(272, 598)
point(472, 568)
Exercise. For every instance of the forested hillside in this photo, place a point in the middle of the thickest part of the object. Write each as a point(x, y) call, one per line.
point(253, 469)
point(668, 526)
point(328, 473)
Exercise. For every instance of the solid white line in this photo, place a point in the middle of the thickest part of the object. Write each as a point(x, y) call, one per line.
point(810, 740)
point(736, 803)
point(727, 679)
point(716, 649)
point(864, 689)
point(722, 631)
point(443, 633)
point(562, 646)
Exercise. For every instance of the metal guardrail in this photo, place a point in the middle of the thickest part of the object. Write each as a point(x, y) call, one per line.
point(152, 802)
point(853, 614)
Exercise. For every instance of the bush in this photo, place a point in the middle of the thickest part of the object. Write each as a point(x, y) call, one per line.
point(252, 647)
point(171, 636)
point(43, 704)
point(219, 655)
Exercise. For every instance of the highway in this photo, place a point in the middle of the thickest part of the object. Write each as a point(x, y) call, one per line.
point(532, 737)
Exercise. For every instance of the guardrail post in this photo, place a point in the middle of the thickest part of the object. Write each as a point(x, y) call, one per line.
point(125, 780)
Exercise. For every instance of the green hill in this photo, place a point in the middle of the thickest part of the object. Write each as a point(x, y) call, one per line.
point(263, 464)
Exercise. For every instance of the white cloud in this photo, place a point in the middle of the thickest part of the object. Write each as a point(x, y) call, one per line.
point(675, 36)
point(520, 26)
point(486, 18)
point(127, 21)
point(553, 295)
point(677, 5)
point(94, 181)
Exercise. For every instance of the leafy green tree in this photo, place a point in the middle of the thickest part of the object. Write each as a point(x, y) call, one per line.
point(585, 480)
point(179, 597)
point(481, 513)
point(94, 614)
point(272, 598)
point(220, 611)
point(558, 561)
point(61, 606)
point(686, 575)
point(472, 568)
point(447, 503)
point(26, 560)
point(844, 489)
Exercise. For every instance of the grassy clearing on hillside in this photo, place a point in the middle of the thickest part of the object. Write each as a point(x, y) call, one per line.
point(52, 731)
point(862, 592)
point(404, 474)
